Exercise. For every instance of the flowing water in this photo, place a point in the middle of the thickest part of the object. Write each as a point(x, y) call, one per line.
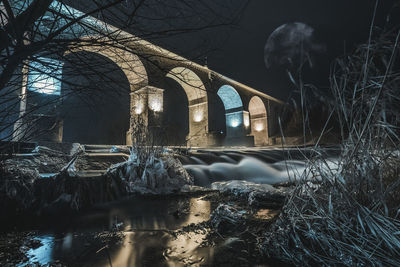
point(265, 166)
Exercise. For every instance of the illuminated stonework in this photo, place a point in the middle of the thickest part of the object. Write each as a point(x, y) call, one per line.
point(258, 117)
point(258, 126)
point(198, 115)
point(199, 82)
point(246, 119)
point(147, 103)
point(234, 119)
point(156, 102)
point(139, 105)
point(235, 123)
point(230, 97)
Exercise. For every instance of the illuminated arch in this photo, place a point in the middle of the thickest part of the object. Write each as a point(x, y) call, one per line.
point(230, 97)
point(129, 63)
point(257, 107)
point(234, 115)
point(190, 82)
point(258, 117)
point(198, 103)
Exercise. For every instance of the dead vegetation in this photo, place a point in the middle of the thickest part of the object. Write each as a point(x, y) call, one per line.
point(149, 170)
point(351, 215)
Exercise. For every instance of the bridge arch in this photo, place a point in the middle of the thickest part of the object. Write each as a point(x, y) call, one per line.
point(197, 102)
point(95, 100)
point(235, 117)
point(129, 63)
point(230, 97)
point(259, 123)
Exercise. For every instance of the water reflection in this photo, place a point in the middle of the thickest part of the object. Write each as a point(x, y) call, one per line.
point(161, 248)
point(42, 254)
point(185, 248)
point(147, 239)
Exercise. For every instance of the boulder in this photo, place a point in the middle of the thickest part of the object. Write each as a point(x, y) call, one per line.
point(257, 195)
point(226, 219)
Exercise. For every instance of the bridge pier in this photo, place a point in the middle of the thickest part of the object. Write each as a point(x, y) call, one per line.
point(259, 121)
point(146, 109)
point(259, 130)
point(198, 124)
point(238, 128)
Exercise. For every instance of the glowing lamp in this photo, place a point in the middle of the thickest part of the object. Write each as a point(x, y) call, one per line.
point(198, 116)
point(139, 107)
point(259, 127)
point(235, 123)
point(138, 110)
point(155, 105)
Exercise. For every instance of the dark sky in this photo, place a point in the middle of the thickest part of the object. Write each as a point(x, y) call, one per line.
point(237, 51)
point(337, 23)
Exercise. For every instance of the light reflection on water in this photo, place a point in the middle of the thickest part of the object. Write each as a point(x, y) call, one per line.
point(184, 247)
point(172, 251)
point(146, 238)
point(42, 254)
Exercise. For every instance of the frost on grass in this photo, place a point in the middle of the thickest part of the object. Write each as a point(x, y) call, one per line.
point(352, 217)
point(160, 174)
point(251, 193)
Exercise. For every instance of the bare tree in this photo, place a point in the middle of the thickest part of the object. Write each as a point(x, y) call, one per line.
point(37, 35)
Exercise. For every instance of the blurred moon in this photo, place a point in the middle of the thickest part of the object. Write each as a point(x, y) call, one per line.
point(290, 45)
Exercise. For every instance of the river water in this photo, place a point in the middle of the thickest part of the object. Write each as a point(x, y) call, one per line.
point(141, 231)
point(264, 166)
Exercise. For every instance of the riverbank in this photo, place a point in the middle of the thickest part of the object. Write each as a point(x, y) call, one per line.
point(196, 228)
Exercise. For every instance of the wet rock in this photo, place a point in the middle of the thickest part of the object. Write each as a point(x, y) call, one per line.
point(227, 219)
point(256, 195)
point(195, 189)
point(266, 199)
point(177, 214)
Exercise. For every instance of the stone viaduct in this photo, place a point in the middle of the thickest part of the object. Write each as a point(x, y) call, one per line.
point(250, 115)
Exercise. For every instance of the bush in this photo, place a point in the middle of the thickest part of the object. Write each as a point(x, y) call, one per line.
point(351, 217)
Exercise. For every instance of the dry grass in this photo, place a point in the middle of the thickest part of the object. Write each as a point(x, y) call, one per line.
point(145, 144)
point(350, 216)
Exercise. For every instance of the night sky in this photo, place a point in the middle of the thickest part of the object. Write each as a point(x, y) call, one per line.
point(330, 28)
point(337, 24)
